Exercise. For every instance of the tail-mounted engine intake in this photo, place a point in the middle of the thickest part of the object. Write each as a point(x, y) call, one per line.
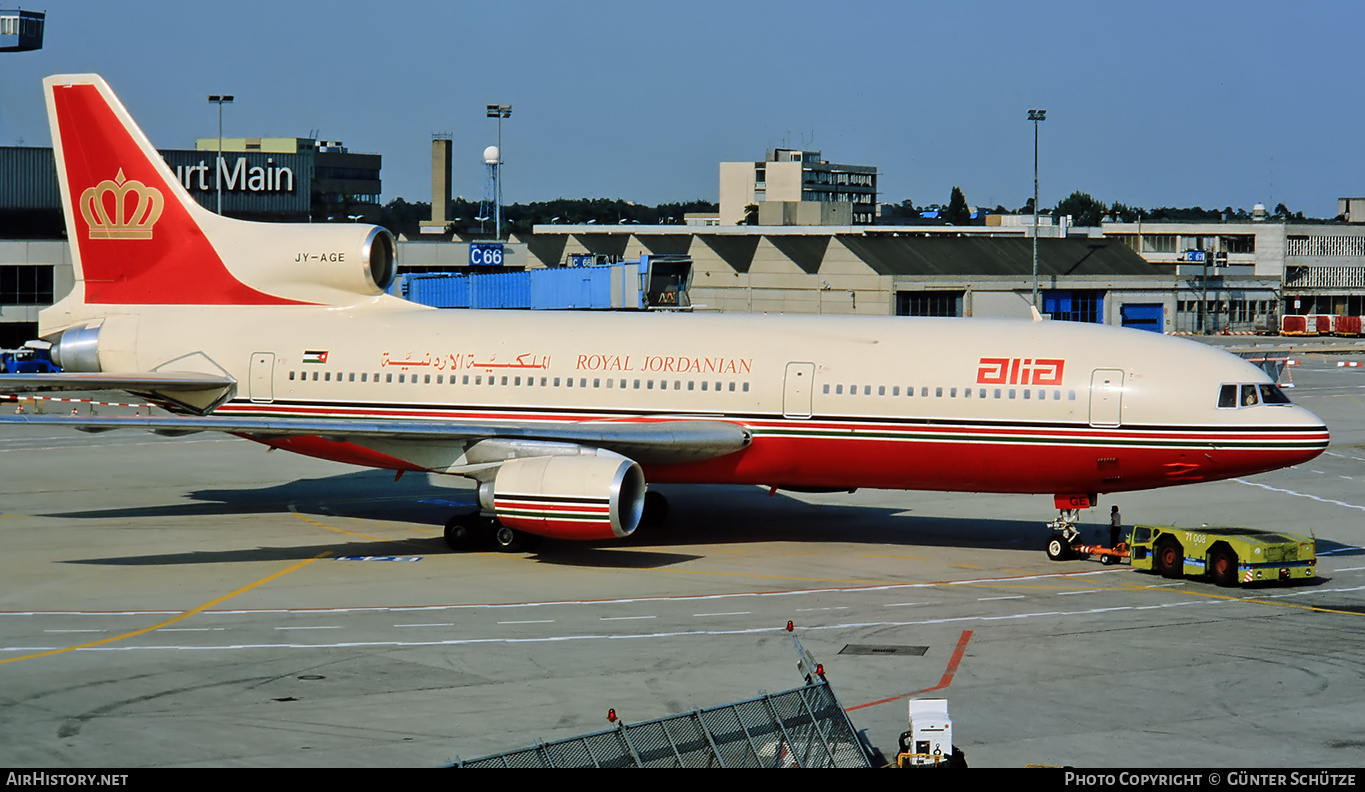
point(568, 497)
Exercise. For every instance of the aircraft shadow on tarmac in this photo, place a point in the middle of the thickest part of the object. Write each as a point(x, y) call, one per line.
point(699, 515)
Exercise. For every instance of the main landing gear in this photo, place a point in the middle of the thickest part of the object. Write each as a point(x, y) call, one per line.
point(475, 530)
point(472, 531)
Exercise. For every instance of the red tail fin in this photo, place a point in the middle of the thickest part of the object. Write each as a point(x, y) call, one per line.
point(137, 237)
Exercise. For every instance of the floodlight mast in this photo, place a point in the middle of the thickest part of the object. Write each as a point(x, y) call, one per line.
point(498, 111)
point(1035, 116)
point(220, 100)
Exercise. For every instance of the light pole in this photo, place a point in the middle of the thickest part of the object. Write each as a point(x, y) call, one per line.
point(499, 112)
point(219, 100)
point(1035, 116)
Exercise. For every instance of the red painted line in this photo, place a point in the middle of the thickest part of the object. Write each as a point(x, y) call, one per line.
point(943, 682)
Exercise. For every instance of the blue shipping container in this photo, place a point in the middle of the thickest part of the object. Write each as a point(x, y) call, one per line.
point(560, 288)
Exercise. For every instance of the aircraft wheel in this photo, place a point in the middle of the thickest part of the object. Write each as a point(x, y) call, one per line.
point(463, 532)
point(655, 511)
point(1058, 549)
point(1223, 567)
point(510, 540)
point(1170, 559)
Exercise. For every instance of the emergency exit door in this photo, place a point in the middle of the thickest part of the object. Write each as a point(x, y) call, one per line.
point(263, 377)
point(797, 390)
point(1106, 397)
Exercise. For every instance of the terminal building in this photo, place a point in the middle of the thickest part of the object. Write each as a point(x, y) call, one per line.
point(794, 187)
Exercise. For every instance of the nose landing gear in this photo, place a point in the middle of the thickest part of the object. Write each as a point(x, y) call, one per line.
point(1064, 535)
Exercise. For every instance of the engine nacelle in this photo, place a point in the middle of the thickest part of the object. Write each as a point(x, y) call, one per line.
point(303, 258)
point(568, 497)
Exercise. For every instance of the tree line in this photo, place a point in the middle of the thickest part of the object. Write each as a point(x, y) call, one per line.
point(401, 216)
point(1083, 208)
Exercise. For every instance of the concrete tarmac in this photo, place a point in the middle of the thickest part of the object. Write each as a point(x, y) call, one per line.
point(199, 602)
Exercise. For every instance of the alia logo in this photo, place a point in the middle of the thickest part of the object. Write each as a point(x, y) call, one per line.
point(1020, 371)
point(121, 209)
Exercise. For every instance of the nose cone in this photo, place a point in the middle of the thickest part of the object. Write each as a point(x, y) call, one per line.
point(1314, 436)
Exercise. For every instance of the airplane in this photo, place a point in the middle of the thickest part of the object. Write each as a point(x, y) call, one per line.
point(283, 334)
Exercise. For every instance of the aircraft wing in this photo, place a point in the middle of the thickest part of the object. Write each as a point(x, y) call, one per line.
point(667, 441)
point(141, 382)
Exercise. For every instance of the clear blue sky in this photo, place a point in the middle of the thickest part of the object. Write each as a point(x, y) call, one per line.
point(1153, 104)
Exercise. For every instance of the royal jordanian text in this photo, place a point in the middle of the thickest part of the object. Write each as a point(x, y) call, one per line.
point(66, 779)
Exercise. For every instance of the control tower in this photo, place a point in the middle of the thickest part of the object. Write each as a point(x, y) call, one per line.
point(21, 31)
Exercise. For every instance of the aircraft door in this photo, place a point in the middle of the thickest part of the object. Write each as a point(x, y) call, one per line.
point(797, 390)
point(263, 377)
point(1106, 397)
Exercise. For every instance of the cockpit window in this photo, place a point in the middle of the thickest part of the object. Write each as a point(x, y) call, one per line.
point(1249, 395)
point(1227, 397)
point(1271, 394)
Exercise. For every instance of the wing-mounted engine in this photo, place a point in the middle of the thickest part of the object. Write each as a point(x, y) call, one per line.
point(590, 496)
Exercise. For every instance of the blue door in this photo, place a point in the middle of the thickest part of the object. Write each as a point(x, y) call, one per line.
point(1144, 316)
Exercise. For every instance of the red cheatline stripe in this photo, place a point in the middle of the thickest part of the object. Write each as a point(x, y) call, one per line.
point(943, 682)
point(585, 508)
point(805, 427)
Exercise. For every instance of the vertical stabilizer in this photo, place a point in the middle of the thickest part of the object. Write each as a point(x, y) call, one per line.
point(137, 237)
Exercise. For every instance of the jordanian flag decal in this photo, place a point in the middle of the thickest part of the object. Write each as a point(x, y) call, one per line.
point(315, 356)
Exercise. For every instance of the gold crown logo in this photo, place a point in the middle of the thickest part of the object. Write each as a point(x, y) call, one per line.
point(131, 219)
